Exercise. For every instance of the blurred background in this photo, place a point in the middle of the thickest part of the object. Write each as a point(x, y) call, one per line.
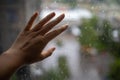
point(88, 50)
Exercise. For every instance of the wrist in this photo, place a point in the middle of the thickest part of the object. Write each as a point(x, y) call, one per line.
point(14, 57)
point(9, 63)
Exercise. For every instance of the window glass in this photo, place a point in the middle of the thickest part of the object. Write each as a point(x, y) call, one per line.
point(88, 50)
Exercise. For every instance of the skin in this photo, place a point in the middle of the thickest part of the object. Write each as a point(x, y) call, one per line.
point(29, 45)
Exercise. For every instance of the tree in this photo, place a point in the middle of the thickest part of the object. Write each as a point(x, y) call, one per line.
point(98, 34)
point(88, 37)
point(114, 73)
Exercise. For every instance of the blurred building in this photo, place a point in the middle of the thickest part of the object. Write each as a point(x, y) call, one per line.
point(13, 16)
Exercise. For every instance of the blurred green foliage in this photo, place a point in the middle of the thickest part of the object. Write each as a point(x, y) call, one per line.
point(97, 33)
point(88, 34)
point(105, 37)
point(114, 73)
point(118, 1)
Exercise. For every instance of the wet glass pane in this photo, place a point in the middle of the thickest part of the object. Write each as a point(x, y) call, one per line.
point(88, 50)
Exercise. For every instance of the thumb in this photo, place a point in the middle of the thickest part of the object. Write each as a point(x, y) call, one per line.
point(46, 53)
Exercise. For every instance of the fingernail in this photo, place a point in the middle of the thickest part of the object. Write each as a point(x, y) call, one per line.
point(36, 13)
point(53, 13)
point(65, 26)
point(62, 15)
point(53, 49)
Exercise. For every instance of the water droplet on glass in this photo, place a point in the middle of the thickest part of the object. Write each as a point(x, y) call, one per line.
point(103, 39)
point(55, 2)
point(62, 72)
point(90, 44)
point(99, 7)
point(92, 7)
point(103, 11)
point(85, 27)
point(77, 38)
point(46, 8)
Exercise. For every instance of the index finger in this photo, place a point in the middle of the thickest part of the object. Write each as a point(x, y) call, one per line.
point(30, 22)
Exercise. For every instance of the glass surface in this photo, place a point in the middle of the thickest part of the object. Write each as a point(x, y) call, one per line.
point(88, 50)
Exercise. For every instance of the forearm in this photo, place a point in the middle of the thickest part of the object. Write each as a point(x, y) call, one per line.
point(8, 65)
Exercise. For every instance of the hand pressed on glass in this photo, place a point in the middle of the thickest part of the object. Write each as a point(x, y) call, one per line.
point(31, 42)
point(29, 45)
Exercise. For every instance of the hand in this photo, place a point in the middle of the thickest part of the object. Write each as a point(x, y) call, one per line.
point(29, 45)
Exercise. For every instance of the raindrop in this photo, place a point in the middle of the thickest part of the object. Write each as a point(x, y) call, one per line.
point(52, 79)
point(85, 27)
point(85, 71)
point(46, 7)
point(77, 39)
point(25, 75)
point(90, 44)
point(114, 14)
point(103, 39)
point(97, 29)
point(105, 25)
point(54, 2)
point(78, 5)
point(61, 72)
point(103, 11)
point(92, 7)
point(99, 7)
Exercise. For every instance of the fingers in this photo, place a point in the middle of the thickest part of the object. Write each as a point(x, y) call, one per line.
point(43, 21)
point(30, 22)
point(49, 36)
point(50, 25)
point(46, 54)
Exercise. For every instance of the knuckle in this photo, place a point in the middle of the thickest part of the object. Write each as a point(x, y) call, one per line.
point(43, 40)
point(32, 35)
point(56, 31)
